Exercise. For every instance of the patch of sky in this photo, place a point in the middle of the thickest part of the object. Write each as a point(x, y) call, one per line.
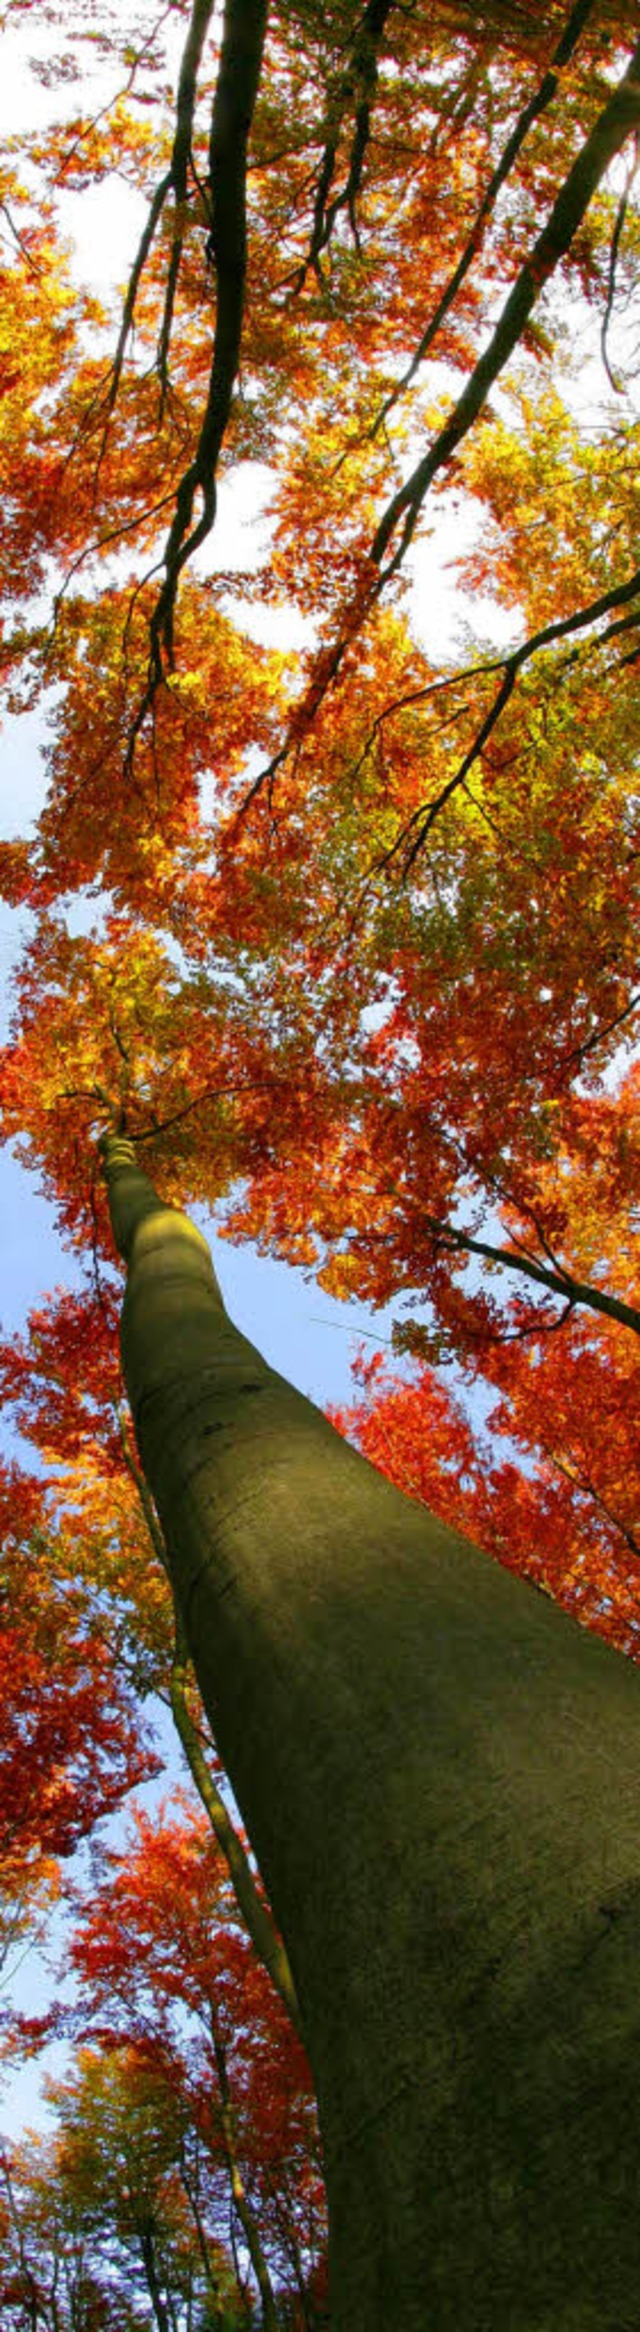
point(103, 226)
point(446, 619)
point(209, 791)
point(23, 776)
point(30, 100)
point(240, 544)
point(374, 1016)
point(16, 926)
point(31, 1256)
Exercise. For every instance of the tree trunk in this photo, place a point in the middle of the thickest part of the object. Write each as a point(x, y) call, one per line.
point(440, 1775)
point(148, 2257)
point(243, 2207)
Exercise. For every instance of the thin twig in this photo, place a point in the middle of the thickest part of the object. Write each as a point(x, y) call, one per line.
point(613, 261)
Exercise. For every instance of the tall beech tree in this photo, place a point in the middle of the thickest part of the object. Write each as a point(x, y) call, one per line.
point(383, 1695)
point(362, 943)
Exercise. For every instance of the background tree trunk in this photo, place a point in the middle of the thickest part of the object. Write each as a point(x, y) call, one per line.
point(440, 1774)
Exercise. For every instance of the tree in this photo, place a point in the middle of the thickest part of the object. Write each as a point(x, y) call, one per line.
point(63, 1389)
point(421, 1750)
point(122, 2134)
point(184, 2165)
point(167, 1972)
point(453, 2032)
point(99, 2233)
point(72, 1742)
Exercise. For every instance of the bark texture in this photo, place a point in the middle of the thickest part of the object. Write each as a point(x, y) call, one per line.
point(440, 1774)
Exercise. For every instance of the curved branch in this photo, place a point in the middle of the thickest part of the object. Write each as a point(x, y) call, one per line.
point(587, 1489)
point(537, 104)
point(598, 1034)
point(180, 165)
point(174, 180)
point(619, 118)
point(359, 79)
point(154, 215)
point(560, 1282)
point(563, 627)
point(510, 666)
point(613, 262)
point(234, 100)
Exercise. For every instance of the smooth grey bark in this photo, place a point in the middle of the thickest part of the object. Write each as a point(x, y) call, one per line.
point(440, 1775)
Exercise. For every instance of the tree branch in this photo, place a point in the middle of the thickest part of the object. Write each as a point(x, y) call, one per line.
point(619, 119)
point(234, 100)
point(561, 1282)
point(359, 79)
point(542, 98)
point(613, 261)
point(561, 629)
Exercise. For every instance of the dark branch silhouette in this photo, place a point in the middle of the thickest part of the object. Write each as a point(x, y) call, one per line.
point(619, 119)
point(537, 105)
point(357, 88)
